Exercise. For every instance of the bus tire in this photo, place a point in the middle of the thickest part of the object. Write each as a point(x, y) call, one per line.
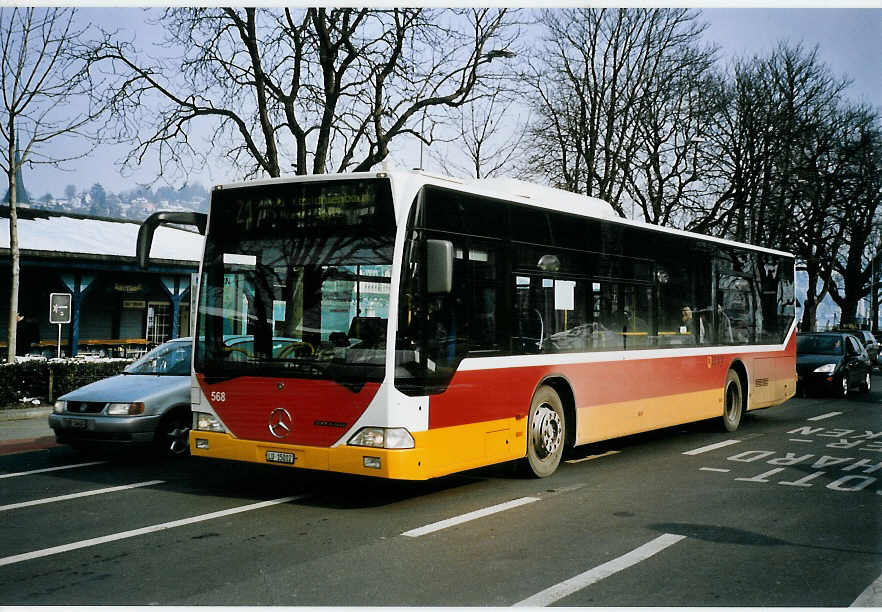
point(733, 402)
point(546, 432)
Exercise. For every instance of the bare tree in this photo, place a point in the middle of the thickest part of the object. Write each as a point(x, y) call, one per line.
point(819, 211)
point(487, 136)
point(771, 119)
point(777, 161)
point(860, 193)
point(316, 89)
point(665, 178)
point(41, 74)
point(610, 121)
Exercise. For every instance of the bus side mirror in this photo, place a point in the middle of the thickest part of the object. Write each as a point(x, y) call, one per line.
point(439, 266)
point(149, 225)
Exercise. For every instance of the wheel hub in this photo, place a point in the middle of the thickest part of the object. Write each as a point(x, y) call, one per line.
point(178, 440)
point(547, 431)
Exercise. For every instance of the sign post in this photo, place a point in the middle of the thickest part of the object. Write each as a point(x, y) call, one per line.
point(60, 312)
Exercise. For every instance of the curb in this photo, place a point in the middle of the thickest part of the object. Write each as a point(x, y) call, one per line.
point(17, 414)
point(27, 444)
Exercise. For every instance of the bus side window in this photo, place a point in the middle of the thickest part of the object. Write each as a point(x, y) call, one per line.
point(735, 309)
point(480, 278)
point(550, 315)
point(622, 315)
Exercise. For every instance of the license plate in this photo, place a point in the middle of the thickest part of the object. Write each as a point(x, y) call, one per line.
point(277, 457)
point(77, 423)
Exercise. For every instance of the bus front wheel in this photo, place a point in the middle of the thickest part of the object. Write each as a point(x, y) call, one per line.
point(546, 432)
point(733, 402)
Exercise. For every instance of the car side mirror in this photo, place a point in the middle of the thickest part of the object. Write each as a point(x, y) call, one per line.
point(439, 266)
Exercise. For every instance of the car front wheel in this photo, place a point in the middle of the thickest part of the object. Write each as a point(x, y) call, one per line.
point(843, 391)
point(865, 386)
point(173, 435)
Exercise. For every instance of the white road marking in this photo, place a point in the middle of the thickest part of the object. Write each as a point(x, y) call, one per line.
point(470, 516)
point(577, 583)
point(49, 500)
point(707, 469)
point(821, 417)
point(592, 457)
point(52, 469)
point(710, 447)
point(800, 440)
point(871, 597)
point(46, 552)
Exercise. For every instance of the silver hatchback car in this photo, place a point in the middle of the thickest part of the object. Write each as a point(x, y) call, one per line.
point(148, 403)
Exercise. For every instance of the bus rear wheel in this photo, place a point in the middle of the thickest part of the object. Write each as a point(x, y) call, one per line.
point(733, 402)
point(546, 432)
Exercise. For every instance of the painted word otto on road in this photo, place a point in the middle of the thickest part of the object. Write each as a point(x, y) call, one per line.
point(854, 479)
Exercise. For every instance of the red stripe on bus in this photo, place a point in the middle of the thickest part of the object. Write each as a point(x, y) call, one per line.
point(486, 395)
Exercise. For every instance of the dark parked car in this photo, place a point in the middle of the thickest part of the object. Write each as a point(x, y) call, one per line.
point(148, 403)
point(830, 361)
point(871, 344)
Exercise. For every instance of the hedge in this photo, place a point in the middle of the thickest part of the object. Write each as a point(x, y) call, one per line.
point(47, 379)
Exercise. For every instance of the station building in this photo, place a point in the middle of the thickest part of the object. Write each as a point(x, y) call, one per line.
point(117, 308)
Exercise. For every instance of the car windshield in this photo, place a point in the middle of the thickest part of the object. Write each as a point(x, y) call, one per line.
point(296, 280)
point(169, 359)
point(820, 345)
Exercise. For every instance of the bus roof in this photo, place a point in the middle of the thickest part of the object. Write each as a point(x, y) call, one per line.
point(408, 182)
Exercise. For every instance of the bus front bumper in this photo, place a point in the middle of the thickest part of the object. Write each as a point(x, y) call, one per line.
point(436, 452)
point(384, 463)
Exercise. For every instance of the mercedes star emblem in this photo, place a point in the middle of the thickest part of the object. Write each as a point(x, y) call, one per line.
point(280, 422)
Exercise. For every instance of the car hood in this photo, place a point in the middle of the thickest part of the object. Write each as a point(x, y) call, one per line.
point(813, 360)
point(128, 388)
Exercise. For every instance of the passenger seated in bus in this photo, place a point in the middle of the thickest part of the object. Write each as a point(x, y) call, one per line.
point(690, 332)
point(692, 323)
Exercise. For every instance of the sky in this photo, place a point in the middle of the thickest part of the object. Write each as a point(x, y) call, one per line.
point(849, 42)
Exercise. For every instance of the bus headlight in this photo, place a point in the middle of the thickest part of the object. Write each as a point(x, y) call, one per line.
point(202, 421)
point(382, 437)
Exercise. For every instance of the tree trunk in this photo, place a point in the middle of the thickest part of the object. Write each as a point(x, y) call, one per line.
point(810, 305)
point(13, 248)
point(809, 314)
point(849, 305)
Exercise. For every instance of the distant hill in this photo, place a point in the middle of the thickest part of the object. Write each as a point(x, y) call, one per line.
point(134, 204)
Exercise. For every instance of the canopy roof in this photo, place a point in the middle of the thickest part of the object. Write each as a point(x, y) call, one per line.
point(59, 232)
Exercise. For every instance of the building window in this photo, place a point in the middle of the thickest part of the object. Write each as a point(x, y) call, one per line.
point(159, 321)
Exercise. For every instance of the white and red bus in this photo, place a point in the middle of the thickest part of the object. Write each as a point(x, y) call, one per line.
point(409, 326)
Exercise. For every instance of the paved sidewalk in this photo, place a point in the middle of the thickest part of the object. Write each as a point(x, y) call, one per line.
point(23, 429)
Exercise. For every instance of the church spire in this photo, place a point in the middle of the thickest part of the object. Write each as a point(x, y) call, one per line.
point(21, 194)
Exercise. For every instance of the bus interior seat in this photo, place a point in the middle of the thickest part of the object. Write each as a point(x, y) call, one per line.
point(370, 330)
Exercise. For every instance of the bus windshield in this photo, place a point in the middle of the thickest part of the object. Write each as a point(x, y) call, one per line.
point(295, 281)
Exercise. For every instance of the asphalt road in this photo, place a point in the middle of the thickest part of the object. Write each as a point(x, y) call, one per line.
point(785, 512)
